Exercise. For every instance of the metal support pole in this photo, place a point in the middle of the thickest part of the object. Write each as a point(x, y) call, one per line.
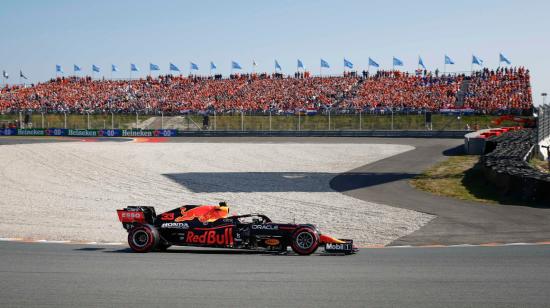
point(329, 119)
point(42, 113)
point(242, 120)
point(215, 122)
point(392, 118)
point(299, 121)
point(161, 120)
point(269, 120)
point(360, 121)
point(88, 120)
point(112, 120)
point(20, 118)
point(65, 120)
point(137, 119)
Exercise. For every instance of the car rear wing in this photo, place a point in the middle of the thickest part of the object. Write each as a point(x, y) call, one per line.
point(136, 214)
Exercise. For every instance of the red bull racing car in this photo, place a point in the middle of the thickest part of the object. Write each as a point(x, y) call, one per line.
point(211, 226)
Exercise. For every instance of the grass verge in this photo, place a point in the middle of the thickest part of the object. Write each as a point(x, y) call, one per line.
point(460, 177)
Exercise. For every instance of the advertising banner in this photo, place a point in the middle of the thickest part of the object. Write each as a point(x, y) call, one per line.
point(89, 132)
point(8, 132)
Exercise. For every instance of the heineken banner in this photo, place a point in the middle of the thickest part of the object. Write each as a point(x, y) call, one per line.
point(8, 132)
point(89, 132)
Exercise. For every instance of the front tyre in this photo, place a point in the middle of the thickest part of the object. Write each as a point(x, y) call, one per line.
point(305, 241)
point(143, 238)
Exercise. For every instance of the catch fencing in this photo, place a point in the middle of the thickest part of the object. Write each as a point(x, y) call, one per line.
point(247, 121)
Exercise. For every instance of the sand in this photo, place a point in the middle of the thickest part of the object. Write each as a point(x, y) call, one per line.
point(70, 191)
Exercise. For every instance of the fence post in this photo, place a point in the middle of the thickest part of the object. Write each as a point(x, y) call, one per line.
point(88, 120)
point(161, 120)
point(65, 120)
point(112, 120)
point(360, 120)
point(242, 120)
point(299, 120)
point(42, 113)
point(137, 119)
point(329, 119)
point(270, 120)
point(392, 118)
point(215, 122)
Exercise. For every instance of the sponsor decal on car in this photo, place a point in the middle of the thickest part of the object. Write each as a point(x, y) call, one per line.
point(167, 216)
point(265, 227)
point(272, 242)
point(345, 246)
point(175, 225)
point(211, 237)
point(130, 216)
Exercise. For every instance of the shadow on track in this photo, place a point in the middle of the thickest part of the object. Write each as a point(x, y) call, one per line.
point(356, 180)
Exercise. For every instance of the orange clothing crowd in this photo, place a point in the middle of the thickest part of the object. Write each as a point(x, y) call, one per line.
point(487, 91)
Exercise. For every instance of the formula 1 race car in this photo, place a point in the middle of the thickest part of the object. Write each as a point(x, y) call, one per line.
point(210, 226)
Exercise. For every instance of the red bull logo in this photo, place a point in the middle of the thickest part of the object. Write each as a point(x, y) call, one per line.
point(205, 213)
point(211, 237)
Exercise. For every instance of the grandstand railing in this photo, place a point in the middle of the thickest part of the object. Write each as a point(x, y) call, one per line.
point(250, 121)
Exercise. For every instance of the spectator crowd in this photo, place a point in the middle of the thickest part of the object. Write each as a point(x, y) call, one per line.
point(486, 91)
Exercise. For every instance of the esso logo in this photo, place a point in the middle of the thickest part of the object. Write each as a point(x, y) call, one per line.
point(132, 215)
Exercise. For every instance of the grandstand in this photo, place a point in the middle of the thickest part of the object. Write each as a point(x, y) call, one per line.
point(505, 90)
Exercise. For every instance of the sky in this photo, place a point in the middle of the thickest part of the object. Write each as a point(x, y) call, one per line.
point(37, 35)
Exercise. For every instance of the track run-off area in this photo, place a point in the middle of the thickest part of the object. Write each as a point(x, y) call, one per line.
point(107, 275)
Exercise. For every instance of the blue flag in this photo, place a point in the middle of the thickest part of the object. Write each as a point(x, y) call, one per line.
point(277, 66)
point(194, 66)
point(235, 65)
point(502, 58)
point(95, 68)
point(300, 64)
point(324, 64)
point(154, 67)
point(476, 60)
point(58, 68)
point(174, 68)
point(114, 68)
point(212, 65)
point(373, 63)
point(397, 62)
point(421, 63)
point(76, 68)
point(348, 63)
point(448, 60)
point(134, 68)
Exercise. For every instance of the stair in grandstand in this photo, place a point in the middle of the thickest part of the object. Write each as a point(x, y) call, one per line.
point(351, 93)
point(461, 94)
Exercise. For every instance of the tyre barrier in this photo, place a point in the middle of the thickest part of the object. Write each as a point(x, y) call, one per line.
point(506, 165)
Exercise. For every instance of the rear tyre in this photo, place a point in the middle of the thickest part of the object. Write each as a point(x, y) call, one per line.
point(305, 241)
point(143, 238)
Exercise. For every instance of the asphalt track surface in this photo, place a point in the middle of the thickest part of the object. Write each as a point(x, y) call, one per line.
point(510, 276)
point(61, 275)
